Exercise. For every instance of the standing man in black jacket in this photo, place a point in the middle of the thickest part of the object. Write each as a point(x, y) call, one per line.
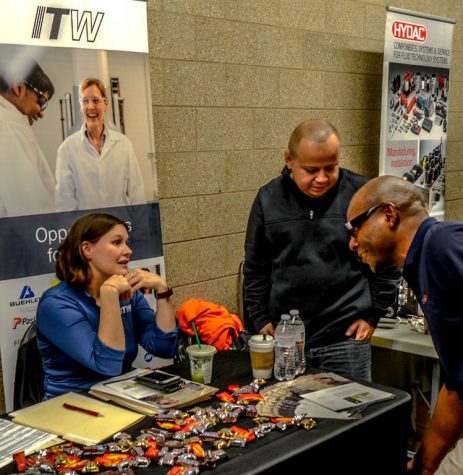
point(298, 257)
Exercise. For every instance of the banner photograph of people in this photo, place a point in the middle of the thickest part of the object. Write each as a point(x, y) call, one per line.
point(76, 136)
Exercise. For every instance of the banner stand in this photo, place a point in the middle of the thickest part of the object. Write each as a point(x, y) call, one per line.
point(415, 97)
point(69, 40)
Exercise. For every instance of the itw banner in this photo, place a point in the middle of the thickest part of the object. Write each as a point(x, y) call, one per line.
point(69, 40)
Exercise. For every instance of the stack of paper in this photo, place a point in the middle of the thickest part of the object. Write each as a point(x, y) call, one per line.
point(324, 395)
point(16, 438)
point(125, 390)
point(93, 423)
point(348, 396)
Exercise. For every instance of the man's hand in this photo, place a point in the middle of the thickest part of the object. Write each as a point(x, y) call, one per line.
point(269, 329)
point(411, 466)
point(362, 330)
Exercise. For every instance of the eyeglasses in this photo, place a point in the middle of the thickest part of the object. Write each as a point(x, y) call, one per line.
point(95, 100)
point(354, 224)
point(41, 98)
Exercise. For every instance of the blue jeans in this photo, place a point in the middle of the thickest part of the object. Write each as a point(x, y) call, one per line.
point(350, 358)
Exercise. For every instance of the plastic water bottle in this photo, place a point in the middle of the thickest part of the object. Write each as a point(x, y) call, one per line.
point(285, 350)
point(299, 330)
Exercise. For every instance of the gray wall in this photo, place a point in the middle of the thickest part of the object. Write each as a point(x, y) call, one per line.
point(230, 81)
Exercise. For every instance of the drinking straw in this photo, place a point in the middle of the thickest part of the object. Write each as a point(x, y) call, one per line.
point(196, 335)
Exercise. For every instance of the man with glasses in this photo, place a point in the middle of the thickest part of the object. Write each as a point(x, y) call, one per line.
point(297, 256)
point(390, 225)
point(97, 167)
point(26, 181)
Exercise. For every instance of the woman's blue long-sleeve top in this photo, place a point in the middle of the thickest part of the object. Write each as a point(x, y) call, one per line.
point(73, 357)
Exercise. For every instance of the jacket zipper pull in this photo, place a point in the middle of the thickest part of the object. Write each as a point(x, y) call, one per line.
point(311, 214)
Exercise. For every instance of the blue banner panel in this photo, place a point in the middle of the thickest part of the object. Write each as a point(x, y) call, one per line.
point(29, 244)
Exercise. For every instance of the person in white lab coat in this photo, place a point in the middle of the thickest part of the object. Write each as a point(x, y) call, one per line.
point(97, 167)
point(26, 181)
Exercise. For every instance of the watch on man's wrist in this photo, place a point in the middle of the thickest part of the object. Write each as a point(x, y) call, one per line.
point(164, 295)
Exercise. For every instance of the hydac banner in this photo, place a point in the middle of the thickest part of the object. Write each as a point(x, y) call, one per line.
point(415, 98)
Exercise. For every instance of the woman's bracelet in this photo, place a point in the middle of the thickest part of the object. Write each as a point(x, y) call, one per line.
point(164, 295)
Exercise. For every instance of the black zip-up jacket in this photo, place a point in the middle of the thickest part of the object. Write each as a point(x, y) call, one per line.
point(297, 256)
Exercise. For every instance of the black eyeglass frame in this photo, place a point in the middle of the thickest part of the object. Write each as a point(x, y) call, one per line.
point(354, 224)
point(41, 98)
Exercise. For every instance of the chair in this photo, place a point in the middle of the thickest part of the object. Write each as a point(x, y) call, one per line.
point(243, 312)
point(29, 374)
point(215, 326)
point(184, 340)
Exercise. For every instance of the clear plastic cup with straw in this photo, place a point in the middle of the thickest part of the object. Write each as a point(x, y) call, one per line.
point(201, 357)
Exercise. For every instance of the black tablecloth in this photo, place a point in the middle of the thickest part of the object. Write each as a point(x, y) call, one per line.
point(375, 444)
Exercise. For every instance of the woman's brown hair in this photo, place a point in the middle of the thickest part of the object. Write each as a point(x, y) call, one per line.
point(87, 82)
point(71, 266)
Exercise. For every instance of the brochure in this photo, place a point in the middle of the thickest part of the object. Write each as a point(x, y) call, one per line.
point(323, 395)
point(316, 382)
point(126, 391)
point(280, 401)
point(347, 396)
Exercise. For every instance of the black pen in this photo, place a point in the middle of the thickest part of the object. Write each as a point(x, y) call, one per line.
point(81, 409)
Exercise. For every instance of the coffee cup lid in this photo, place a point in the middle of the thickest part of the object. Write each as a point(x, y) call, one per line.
point(260, 340)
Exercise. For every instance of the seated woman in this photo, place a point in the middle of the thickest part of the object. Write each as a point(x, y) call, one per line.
point(89, 326)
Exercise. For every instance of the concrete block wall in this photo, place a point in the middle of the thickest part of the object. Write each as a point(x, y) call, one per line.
point(230, 81)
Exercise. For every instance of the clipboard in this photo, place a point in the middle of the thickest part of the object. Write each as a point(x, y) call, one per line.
point(77, 426)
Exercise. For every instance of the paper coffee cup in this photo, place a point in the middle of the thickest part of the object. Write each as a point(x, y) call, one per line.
point(201, 362)
point(262, 355)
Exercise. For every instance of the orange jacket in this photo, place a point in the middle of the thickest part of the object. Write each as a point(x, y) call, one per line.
point(215, 325)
